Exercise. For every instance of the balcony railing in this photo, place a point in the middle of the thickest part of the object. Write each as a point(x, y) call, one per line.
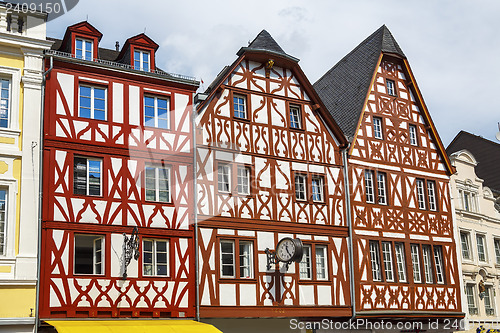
point(473, 310)
point(121, 66)
point(490, 311)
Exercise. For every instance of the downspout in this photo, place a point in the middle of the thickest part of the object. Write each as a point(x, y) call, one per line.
point(195, 202)
point(349, 224)
point(40, 185)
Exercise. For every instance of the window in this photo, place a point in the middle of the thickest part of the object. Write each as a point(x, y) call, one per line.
point(465, 241)
point(141, 60)
point(157, 184)
point(431, 194)
point(481, 250)
point(497, 250)
point(438, 261)
point(300, 187)
point(377, 128)
point(223, 177)
point(488, 301)
point(427, 257)
point(375, 261)
point(415, 260)
point(468, 200)
point(243, 180)
point(400, 261)
point(3, 219)
point(388, 266)
point(320, 262)
point(4, 103)
point(295, 117)
point(87, 176)
point(305, 268)
point(369, 186)
point(382, 198)
point(413, 135)
point(89, 255)
point(92, 102)
point(236, 249)
point(317, 188)
point(420, 194)
point(156, 112)
point(239, 106)
point(83, 49)
point(471, 299)
point(155, 257)
point(391, 87)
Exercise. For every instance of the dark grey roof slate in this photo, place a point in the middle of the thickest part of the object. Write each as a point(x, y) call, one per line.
point(487, 154)
point(344, 87)
point(104, 54)
point(264, 41)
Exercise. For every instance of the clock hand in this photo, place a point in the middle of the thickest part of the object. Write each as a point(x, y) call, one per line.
point(286, 246)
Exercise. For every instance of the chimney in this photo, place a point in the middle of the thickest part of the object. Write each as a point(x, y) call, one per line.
point(117, 46)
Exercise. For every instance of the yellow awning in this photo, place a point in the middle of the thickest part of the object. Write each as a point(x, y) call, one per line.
point(132, 326)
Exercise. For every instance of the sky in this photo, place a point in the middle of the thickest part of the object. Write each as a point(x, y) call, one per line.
point(453, 46)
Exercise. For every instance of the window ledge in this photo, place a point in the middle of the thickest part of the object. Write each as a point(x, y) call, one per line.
point(10, 132)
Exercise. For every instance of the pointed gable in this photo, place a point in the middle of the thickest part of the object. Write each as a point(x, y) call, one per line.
point(84, 31)
point(139, 47)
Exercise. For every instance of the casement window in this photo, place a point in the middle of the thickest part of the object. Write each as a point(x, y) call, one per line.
point(295, 117)
point(156, 112)
point(465, 242)
point(488, 301)
point(321, 270)
point(236, 253)
point(89, 254)
point(375, 261)
point(300, 187)
point(420, 194)
point(369, 188)
point(317, 188)
point(83, 49)
point(314, 262)
point(438, 263)
point(391, 87)
point(481, 247)
point(496, 243)
point(400, 261)
point(92, 102)
point(471, 298)
point(380, 189)
point(4, 103)
point(3, 218)
point(388, 264)
point(243, 178)
point(431, 194)
point(87, 176)
point(427, 258)
point(157, 180)
point(413, 135)
point(155, 257)
point(382, 196)
point(468, 200)
point(305, 267)
point(141, 60)
point(415, 260)
point(240, 106)
point(377, 128)
point(224, 178)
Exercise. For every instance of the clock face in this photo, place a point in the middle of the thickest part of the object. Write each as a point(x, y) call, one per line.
point(285, 250)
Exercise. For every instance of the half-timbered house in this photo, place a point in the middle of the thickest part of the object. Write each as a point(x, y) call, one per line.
point(269, 166)
point(405, 260)
point(117, 235)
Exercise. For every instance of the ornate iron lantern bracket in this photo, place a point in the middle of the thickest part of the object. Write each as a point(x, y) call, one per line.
point(130, 249)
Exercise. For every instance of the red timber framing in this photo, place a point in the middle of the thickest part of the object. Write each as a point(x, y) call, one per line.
point(109, 167)
point(405, 259)
point(246, 137)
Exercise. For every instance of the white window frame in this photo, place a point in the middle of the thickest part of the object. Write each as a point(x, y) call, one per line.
point(84, 48)
point(87, 180)
point(399, 249)
point(412, 129)
point(388, 261)
point(100, 238)
point(154, 253)
point(92, 101)
point(369, 186)
point(295, 115)
point(158, 169)
point(421, 194)
point(470, 295)
point(14, 76)
point(375, 260)
point(391, 87)
point(317, 187)
point(431, 195)
point(141, 60)
point(415, 261)
point(300, 187)
point(248, 257)
point(244, 99)
point(381, 188)
point(377, 128)
point(224, 178)
point(155, 108)
point(496, 244)
point(438, 263)
point(305, 265)
point(321, 262)
point(243, 177)
point(482, 244)
point(228, 241)
point(10, 185)
point(427, 261)
point(467, 250)
point(489, 297)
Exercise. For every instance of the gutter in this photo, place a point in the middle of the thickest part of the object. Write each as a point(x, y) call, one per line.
point(349, 225)
point(40, 185)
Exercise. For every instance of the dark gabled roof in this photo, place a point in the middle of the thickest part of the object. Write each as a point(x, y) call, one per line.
point(264, 42)
point(487, 154)
point(344, 87)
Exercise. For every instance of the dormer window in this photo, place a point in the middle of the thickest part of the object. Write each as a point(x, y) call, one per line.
point(141, 60)
point(83, 49)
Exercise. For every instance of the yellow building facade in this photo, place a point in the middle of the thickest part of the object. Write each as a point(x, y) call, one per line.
point(22, 42)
